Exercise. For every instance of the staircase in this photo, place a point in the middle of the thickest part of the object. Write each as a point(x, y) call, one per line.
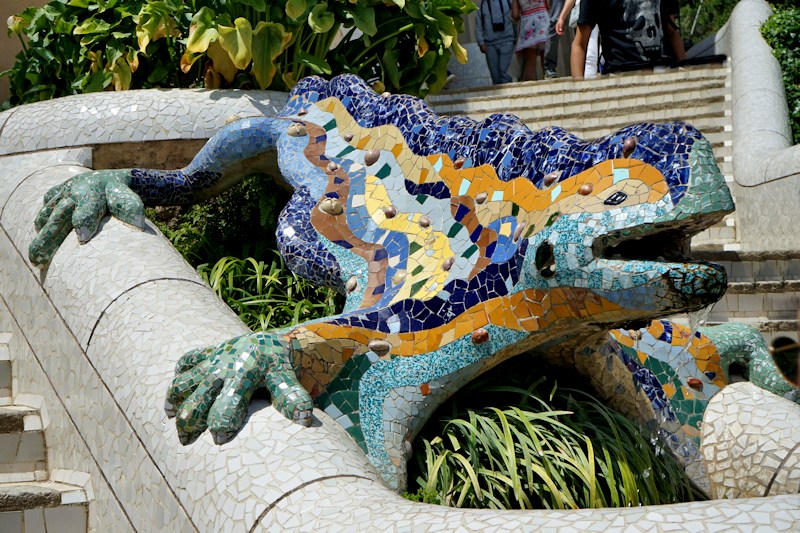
point(592, 108)
point(763, 291)
point(29, 502)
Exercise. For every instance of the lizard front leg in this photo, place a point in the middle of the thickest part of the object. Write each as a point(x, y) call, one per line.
point(82, 201)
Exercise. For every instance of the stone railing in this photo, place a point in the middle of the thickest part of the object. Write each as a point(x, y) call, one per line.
point(766, 164)
point(100, 330)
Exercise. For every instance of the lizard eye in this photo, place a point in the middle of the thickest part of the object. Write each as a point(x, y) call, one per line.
point(616, 198)
point(545, 261)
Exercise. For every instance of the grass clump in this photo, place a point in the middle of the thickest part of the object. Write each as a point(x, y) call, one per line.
point(552, 447)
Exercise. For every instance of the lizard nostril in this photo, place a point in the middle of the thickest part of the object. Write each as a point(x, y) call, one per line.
point(545, 260)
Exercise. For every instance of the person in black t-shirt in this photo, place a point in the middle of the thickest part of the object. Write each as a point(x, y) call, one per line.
point(633, 34)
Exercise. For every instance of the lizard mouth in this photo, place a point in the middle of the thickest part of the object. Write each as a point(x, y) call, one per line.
point(666, 244)
point(693, 283)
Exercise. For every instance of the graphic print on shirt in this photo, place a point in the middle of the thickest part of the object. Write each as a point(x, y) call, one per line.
point(643, 18)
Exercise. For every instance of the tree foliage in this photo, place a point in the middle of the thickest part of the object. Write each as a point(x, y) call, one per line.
point(79, 46)
point(782, 33)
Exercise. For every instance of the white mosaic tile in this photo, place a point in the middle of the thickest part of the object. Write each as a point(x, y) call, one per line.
point(750, 443)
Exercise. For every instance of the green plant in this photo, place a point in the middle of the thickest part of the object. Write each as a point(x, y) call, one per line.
point(78, 46)
point(782, 33)
point(268, 295)
point(700, 18)
point(557, 451)
point(239, 222)
point(399, 44)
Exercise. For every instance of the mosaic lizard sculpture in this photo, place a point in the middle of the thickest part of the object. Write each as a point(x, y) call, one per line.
point(458, 244)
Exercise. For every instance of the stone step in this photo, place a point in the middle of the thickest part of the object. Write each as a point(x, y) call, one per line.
point(750, 267)
point(23, 455)
point(593, 125)
point(780, 304)
point(657, 96)
point(714, 236)
point(45, 506)
point(568, 87)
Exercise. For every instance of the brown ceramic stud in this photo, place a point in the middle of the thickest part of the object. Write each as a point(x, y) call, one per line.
point(332, 167)
point(586, 189)
point(695, 383)
point(481, 197)
point(479, 336)
point(458, 163)
point(347, 136)
point(297, 130)
point(390, 211)
point(371, 157)
point(398, 277)
point(551, 177)
point(381, 348)
point(386, 93)
point(331, 206)
point(424, 221)
point(628, 145)
point(351, 284)
point(302, 112)
point(448, 263)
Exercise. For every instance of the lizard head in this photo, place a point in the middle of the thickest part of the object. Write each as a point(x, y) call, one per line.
point(622, 231)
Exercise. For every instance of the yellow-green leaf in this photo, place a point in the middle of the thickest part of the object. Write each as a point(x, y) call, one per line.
point(295, 8)
point(222, 61)
point(269, 42)
point(212, 79)
point(202, 31)
point(133, 59)
point(187, 60)
point(460, 52)
point(422, 46)
point(320, 19)
point(154, 23)
point(237, 41)
point(121, 75)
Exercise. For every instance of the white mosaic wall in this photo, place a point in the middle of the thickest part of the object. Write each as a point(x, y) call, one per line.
point(751, 443)
point(102, 329)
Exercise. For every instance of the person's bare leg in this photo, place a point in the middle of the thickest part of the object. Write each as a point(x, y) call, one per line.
point(529, 71)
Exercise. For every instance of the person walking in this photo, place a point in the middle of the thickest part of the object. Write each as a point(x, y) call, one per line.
point(634, 34)
point(551, 46)
point(496, 35)
point(533, 22)
point(569, 17)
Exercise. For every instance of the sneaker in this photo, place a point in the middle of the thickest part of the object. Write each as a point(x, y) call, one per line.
point(549, 74)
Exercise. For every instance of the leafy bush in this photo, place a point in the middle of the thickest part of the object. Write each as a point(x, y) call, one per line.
point(280, 44)
point(79, 46)
point(230, 239)
point(268, 295)
point(782, 33)
point(698, 19)
point(239, 222)
point(556, 450)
